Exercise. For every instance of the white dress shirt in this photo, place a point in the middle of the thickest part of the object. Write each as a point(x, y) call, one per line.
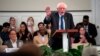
point(86, 28)
point(14, 44)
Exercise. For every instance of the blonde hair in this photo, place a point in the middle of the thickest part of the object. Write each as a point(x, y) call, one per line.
point(30, 18)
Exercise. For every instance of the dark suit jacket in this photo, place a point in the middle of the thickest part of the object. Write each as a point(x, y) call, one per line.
point(27, 37)
point(54, 20)
point(56, 41)
point(9, 44)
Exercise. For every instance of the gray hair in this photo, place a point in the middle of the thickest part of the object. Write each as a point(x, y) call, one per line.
point(61, 3)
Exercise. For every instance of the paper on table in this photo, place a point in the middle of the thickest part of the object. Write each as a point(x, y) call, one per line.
point(8, 50)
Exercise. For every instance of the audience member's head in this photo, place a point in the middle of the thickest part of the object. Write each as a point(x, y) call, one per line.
point(41, 26)
point(30, 21)
point(42, 29)
point(23, 27)
point(12, 35)
point(78, 26)
point(81, 30)
point(12, 21)
point(6, 27)
point(85, 19)
point(61, 8)
point(28, 50)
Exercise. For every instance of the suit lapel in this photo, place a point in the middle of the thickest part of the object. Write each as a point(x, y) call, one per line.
point(89, 28)
point(17, 43)
point(66, 21)
point(57, 20)
point(10, 44)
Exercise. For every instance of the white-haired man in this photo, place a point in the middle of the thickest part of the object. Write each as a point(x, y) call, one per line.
point(60, 20)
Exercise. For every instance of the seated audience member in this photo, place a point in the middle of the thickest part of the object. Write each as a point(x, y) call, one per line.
point(30, 24)
point(24, 34)
point(13, 42)
point(89, 27)
point(27, 50)
point(42, 37)
point(82, 36)
point(4, 33)
point(12, 22)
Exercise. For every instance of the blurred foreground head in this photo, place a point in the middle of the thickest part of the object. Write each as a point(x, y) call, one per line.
point(90, 51)
point(28, 50)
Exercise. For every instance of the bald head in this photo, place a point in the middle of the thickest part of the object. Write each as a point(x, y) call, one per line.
point(61, 8)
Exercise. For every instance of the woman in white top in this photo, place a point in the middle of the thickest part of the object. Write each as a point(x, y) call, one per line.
point(30, 24)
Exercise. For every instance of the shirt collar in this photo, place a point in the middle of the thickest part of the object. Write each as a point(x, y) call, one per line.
point(12, 41)
point(60, 15)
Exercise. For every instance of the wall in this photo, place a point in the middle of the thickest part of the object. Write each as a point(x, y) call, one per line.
point(39, 5)
point(96, 15)
point(38, 16)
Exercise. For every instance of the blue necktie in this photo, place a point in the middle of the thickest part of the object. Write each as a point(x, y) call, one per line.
point(61, 26)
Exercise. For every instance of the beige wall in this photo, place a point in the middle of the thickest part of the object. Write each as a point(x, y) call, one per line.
point(38, 17)
point(39, 5)
point(96, 16)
